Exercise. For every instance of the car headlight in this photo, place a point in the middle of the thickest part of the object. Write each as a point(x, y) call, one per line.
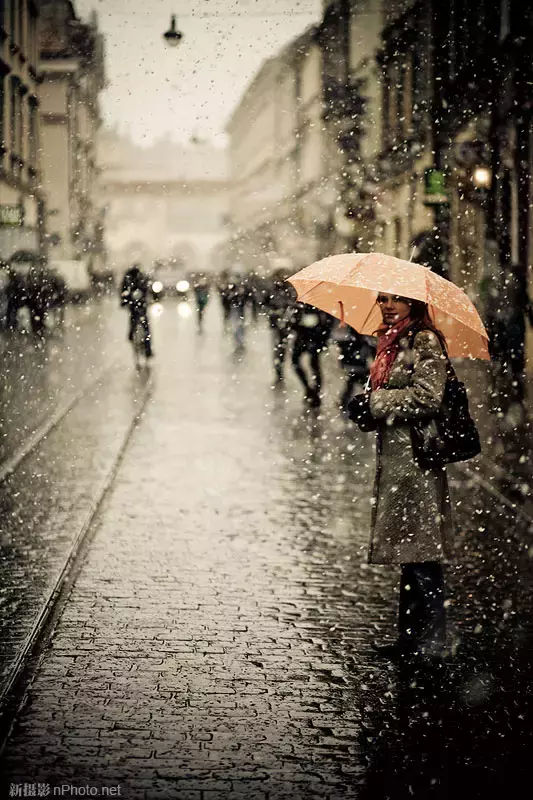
point(182, 286)
point(157, 287)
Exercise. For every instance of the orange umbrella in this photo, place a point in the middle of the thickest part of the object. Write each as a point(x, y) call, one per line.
point(347, 286)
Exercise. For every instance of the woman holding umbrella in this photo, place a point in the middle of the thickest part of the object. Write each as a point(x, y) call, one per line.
point(421, 319)
point(411, 514)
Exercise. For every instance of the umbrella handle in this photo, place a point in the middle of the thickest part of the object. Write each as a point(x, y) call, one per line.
point(341, 306)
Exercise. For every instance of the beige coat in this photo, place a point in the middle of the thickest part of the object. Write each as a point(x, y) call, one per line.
point(411, 513)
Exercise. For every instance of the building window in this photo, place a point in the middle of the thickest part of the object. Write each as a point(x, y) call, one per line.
point(12, 21)
point(13, 95)
point(394, 96)
point(386, 112)
point(399, 101)
point(460, 34)
point(399, 89)
point(34, 132)
point(407, 96)
point(16, 121)
point(32, 38)
point(505, 19)
point(419, 88)
point(398, 237)
point(2, 111)
point(20, 25)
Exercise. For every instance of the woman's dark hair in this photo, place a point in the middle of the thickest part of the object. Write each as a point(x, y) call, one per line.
point(420, 315)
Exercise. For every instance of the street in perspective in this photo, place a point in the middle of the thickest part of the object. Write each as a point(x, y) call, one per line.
point(266, 487)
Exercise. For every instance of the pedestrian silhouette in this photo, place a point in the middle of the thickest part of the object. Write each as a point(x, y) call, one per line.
point(134, 296)
point(312, 329)
point(280, 301)
point(356, 354)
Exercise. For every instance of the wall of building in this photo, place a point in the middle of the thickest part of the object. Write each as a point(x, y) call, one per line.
point(272, 205)
point(56, 180)
point(72, 68)
point(19, 129)
point(162, 200)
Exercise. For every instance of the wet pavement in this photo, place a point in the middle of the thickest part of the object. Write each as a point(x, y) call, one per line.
point(75, 379)
point(39, 376)
point(216, 642)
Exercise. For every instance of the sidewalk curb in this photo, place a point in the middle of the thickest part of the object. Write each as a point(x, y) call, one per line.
point(10, 699)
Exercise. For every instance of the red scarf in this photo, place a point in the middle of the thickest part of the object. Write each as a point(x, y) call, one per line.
point(388, 347)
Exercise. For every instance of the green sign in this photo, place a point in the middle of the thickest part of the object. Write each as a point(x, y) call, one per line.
point(435, 186)
point(11, 215)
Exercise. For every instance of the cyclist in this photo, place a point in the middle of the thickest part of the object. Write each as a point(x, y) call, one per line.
point(134, 295)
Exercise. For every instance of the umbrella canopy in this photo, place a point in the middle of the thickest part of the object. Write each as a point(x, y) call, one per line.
point(347, 286)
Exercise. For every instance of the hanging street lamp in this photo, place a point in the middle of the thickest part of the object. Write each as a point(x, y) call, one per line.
point(173, 36)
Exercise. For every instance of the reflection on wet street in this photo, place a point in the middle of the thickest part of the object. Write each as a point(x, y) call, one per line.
point(217, 641)
point(39, 374)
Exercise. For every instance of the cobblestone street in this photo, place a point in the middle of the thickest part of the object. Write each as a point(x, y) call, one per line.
point(216, 640)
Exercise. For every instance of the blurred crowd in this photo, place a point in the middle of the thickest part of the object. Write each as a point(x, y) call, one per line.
point(300, 333)
point(33, 295)
point(30, 294)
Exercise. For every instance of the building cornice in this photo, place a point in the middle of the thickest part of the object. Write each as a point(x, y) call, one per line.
point(58, 69)
point(18, 184)
point(133, 186)
point(50, 118)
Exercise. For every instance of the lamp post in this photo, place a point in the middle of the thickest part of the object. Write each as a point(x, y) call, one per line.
point(173, 36)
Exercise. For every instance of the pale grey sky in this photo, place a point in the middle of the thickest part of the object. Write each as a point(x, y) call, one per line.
point(192, 89)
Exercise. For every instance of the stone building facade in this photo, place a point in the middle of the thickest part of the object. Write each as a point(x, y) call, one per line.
point(276, 160)
point(21, 201)
point(419, 145)
point(72, 72)
point(166, 201)
point(308, 189)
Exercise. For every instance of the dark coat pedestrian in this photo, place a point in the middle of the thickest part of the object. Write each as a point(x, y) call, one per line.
point(39, 287)
point(356, 354)
point(312, 328)
point(224, 294)
point(134, 294)
point(279, 304)
point(201, 293)
point(16, 297)
point(237, 297)
point(411, 514)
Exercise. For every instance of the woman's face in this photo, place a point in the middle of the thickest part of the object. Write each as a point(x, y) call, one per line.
point(393, 307)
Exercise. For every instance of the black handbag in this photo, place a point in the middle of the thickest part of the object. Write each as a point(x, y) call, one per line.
point(450, 436)
point(359, 412)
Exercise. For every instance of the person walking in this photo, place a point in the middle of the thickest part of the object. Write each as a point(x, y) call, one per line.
point(134, 296)
point(312, 329)
point(356, 354)
point(411, 522)
point(224, 294)
point(201, 294)
point(279, 304)
point(237, 303)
